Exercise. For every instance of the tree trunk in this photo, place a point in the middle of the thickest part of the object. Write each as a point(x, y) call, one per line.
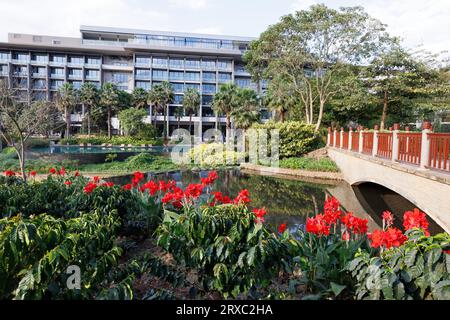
point(89, 121)
point(109, 123)
point(165, 129)
point(228, 128)
point(67, 122)
point(190, 123)
point(385, 107)
point(319, 118)
point(282, 114)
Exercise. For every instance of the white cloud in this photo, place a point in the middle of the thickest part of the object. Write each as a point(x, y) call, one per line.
point(193, 4)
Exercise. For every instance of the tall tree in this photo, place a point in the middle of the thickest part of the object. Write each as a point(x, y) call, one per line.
point(224, 102)
point(131, 120)
point(247, 111)
point(89, 96)
point(154, 101)
point(310, 47)
point(178, 113)
point(281, 97)
point(139, 98)
point(109, 99)
point(167, 97)
point(19, 120)
point(191, 103)
point(67, 98)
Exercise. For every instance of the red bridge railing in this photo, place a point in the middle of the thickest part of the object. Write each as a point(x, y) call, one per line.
point(439, 151)
point(425, 149)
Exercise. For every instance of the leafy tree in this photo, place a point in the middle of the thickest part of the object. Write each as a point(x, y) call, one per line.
point(154, 100)
point(310, 47)
point(66, 100)
point(224, 102)
point(281, 97)
point(131, 120)
point(167, 97)
point(178, 113)
point(20, 120)
point(247, 111)
point(89, 96)
point(191, 103)
point(109, 98)
point(139, 98)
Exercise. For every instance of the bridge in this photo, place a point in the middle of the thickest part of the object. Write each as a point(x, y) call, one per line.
point(415, 165)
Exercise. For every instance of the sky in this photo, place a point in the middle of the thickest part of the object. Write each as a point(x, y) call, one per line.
point(424, 23)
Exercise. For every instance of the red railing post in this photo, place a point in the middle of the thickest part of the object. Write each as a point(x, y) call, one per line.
point(395, 141)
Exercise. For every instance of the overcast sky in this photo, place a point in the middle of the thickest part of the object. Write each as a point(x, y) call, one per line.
point(419, 22)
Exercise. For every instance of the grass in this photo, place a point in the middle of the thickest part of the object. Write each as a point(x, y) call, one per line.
point(309, 164)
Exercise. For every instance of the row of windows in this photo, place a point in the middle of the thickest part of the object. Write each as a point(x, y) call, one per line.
point(44, 58)
point(157, 40)
point(184, 63)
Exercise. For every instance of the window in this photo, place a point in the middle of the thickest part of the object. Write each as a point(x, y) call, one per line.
point(224, 77)
point(143, 85)
point(176, 75)
point(39, 58)
point(56, 84)
point(93, 60)
point(39, 96)
point(178, 99)
point(143, 60)
point(208, 64)
point(3, 69)
point(76, 59)
point(243, 83)
point(192, 63)
point(75, 73)
point(176, 63)
point(207, 100)
point(224, 64)
point(39, 84)
point(76, 84)
point(209, 76)
point(177, 87)
point(120, 77)
point(20, 71)
point(159, 74)
point(209, 88)
point(58, 59)
point(23, 57)
point(193, 86)
point(4, 56)
point(160, 62)
point(143, 74)
point(192, 76)
point(57, 71)
point(92, 74)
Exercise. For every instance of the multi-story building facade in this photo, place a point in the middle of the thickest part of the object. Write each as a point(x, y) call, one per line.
point(38, 65)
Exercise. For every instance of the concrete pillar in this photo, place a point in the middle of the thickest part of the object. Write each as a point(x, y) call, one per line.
point(375, 141)
point(361, 137)
point(350, 138)
point(334, 137)
point(395, 142)
point(425, 152)
point(329, 137)
point(341, 140)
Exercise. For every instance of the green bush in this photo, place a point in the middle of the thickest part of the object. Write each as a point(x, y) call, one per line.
point(115, 140)
point(9, 150)
point(214, 155)
point(296, 138)
point(229, 250)
point(37, 143)
point(324, 164)
point(147, 132)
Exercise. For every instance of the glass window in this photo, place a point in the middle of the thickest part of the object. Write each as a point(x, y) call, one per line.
point(57, 71)
point(176, 63)
point(143, 84)
point(224, 64)
point(224, 77)
point(143, 60)
point(20, 71)
point(22, 57)
point(58, 59)
point(192, 63)
point(159, 62)
point(177, 87)
point(193, 86)
point(176, 75)
point(39, 57)
point(76, 84)
point(56, 84)
point(207, 100)
point(39, 84)
point(93, 74)
point(192, 76)
point(93, 60)
point(243, 83)
point(143, 73)
point(178, 99)
point(159, 74)
point(209, 88)
point(120, 77)
point(209, 76)
point(76, 59)
point(39, 96)
point(4, 55)
point(208, 64)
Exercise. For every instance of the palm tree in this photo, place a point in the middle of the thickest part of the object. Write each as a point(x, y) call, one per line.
point(167, 96)
point(66, 101)
point(247, 110)
point(178, 113)
point(279, 100)
point(139, 98)
point(88, 97)
point(224, 103)
point(109, 98)
point(191, 103)
point(154, 100)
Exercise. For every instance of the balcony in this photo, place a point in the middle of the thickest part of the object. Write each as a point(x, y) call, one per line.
point(143, 76)
point(39, 75)
point(20, 61)
point(57, 76)
point(20, 74)
point(75, 76)
point(92, 77)
point(57, 63)
point(39, 62)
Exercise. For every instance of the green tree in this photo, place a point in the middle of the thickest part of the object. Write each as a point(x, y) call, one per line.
point(139, 98)
point(89, 96)
point(109, 99)
point(167, 96)
point(247, 111)
point(154, 101)
point(224, 102)
point(66, 100)
point(131, 120)
point(178, 113)
point(191, 103)
point(310, 47)
point(281, 97)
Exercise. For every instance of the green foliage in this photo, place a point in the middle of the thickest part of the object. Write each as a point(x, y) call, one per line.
point(115, 140)
point(296, 138)
point(310, 164)
point(214, 155)
point(110, 157)
point(131, 120)
point(148, 132)
point(229, 250)
point(419, 269)
point(8, 151)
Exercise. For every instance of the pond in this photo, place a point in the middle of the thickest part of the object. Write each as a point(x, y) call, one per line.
point(57, 149)
point(286, 201)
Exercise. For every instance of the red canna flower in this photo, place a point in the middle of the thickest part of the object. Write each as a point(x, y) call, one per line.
point(10, 173)
point(68, 183)
point(212, 176)
point(52, 171)
point(355, 224)
point(243, 197)
point(415, 219)
point(392, 237)
point(318, 225)
point(388, 218)
point(259, 213)
point(137, 177)
point(376, 238)
point(33, 173)
point(346, 236)
point(62, 171)
point(151, 186)
point(127, 186)
point(193, 191)
point(108, 184)
point(282, 228)
point(90, 187)
point(77, 173)
point(96, 179)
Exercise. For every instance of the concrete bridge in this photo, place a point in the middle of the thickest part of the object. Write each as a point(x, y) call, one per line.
point(415, 165)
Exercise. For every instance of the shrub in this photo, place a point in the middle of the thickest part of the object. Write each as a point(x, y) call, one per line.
point(324, 164)
point(213, 155)
point(296, 138)
point(9, 150)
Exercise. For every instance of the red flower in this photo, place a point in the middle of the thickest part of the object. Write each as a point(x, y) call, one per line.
point(77, 173)
point(90, 187)
point(355, 224)
point(346, 236)
point(68, 183)
point(138, 176)
point(151, 186)
point(447, 251)
point(127, 186)
point(376, 238)
point(108, 184)
point(52, 171)
point(282, 228)
point(212, 176)
point(33, 173)
point(9, 173)
point(220, 198)
point(62, 171)
point(259, 213)
point(96, 179)
point(175, 197)
point(388, 218)
point(163, 186)
point(332, 204)
point(242, 197)
point(317, 225)
point(415, 219)
point(193, 191)
point(392, 237)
